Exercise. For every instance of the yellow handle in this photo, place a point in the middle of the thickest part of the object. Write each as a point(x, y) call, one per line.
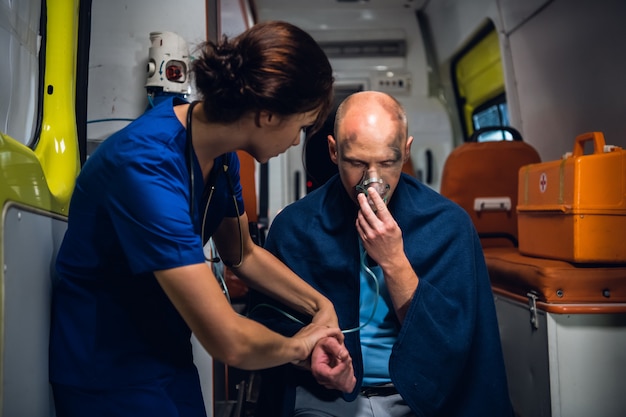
point(57, 149)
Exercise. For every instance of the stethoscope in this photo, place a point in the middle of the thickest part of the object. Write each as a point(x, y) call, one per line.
point(189, 155)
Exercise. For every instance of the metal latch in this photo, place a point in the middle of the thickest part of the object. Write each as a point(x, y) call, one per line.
point(532, 306)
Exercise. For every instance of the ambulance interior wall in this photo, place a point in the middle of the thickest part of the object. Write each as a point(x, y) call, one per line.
point(562, 59)
point(120, 40)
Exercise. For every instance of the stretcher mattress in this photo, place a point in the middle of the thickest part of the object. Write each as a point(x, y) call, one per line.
point(558, 285)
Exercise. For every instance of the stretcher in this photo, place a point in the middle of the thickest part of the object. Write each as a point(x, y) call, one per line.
point(563, 332)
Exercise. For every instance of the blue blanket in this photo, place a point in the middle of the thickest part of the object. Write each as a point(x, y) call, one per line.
point(447, 360)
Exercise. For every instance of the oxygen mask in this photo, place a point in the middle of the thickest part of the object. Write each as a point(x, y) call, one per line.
point(371, 179)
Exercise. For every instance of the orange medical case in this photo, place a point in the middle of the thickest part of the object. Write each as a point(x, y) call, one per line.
point(574, 209)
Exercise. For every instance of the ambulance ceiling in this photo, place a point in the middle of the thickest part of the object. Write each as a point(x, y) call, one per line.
point(322, 15)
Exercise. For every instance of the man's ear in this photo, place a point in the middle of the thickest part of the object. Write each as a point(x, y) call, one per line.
point(332, 148)
point(407, 148)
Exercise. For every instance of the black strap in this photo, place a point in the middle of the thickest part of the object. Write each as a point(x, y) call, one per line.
point(379, 390)
point(189, 160)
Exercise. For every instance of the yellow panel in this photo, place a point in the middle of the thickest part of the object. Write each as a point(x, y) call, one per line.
point(479, 75)
point(57, 149)
point(45, 178)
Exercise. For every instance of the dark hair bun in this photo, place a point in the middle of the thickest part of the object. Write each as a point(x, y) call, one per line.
point(273, 66)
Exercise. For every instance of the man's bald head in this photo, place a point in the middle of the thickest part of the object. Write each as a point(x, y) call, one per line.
point(360, 105)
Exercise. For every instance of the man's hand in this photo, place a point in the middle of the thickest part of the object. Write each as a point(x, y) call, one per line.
point(380, 234)
point(309, 337)
point(331, 365)
point(382, 239)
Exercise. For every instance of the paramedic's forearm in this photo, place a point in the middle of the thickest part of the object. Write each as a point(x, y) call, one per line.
point(264, 272)
point(226, 335)
point(285, 286)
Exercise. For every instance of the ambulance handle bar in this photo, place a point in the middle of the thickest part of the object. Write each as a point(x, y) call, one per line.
point(515, 134)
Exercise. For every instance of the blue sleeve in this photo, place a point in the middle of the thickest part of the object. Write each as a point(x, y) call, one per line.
point(149, 206)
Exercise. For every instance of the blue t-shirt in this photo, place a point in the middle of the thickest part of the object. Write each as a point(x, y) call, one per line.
point(380, 326)
point(112, 324)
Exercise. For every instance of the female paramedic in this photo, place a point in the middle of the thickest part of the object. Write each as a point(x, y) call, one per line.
point(132, 280)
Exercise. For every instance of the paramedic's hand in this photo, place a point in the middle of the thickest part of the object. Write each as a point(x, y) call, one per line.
point(380, 234)
point(309, 336)
point(326, 316)
point(331, 365)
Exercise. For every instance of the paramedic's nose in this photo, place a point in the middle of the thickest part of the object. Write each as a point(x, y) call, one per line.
point(372, 179)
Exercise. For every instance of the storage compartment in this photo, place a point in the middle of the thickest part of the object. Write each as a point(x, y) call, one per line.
point(574, 209)
point(563, 332)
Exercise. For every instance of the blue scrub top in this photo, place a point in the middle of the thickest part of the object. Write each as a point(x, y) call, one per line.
point(112, 325)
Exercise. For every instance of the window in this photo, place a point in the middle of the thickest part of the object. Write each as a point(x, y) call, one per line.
point(479, 86)
point(492, 113)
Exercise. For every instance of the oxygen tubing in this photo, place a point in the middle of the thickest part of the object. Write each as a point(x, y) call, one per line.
point(367, 270)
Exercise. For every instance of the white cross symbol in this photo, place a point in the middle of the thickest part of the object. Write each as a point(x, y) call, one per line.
point(543, 182)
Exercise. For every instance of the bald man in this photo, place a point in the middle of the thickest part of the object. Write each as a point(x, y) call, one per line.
point(406, 273)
